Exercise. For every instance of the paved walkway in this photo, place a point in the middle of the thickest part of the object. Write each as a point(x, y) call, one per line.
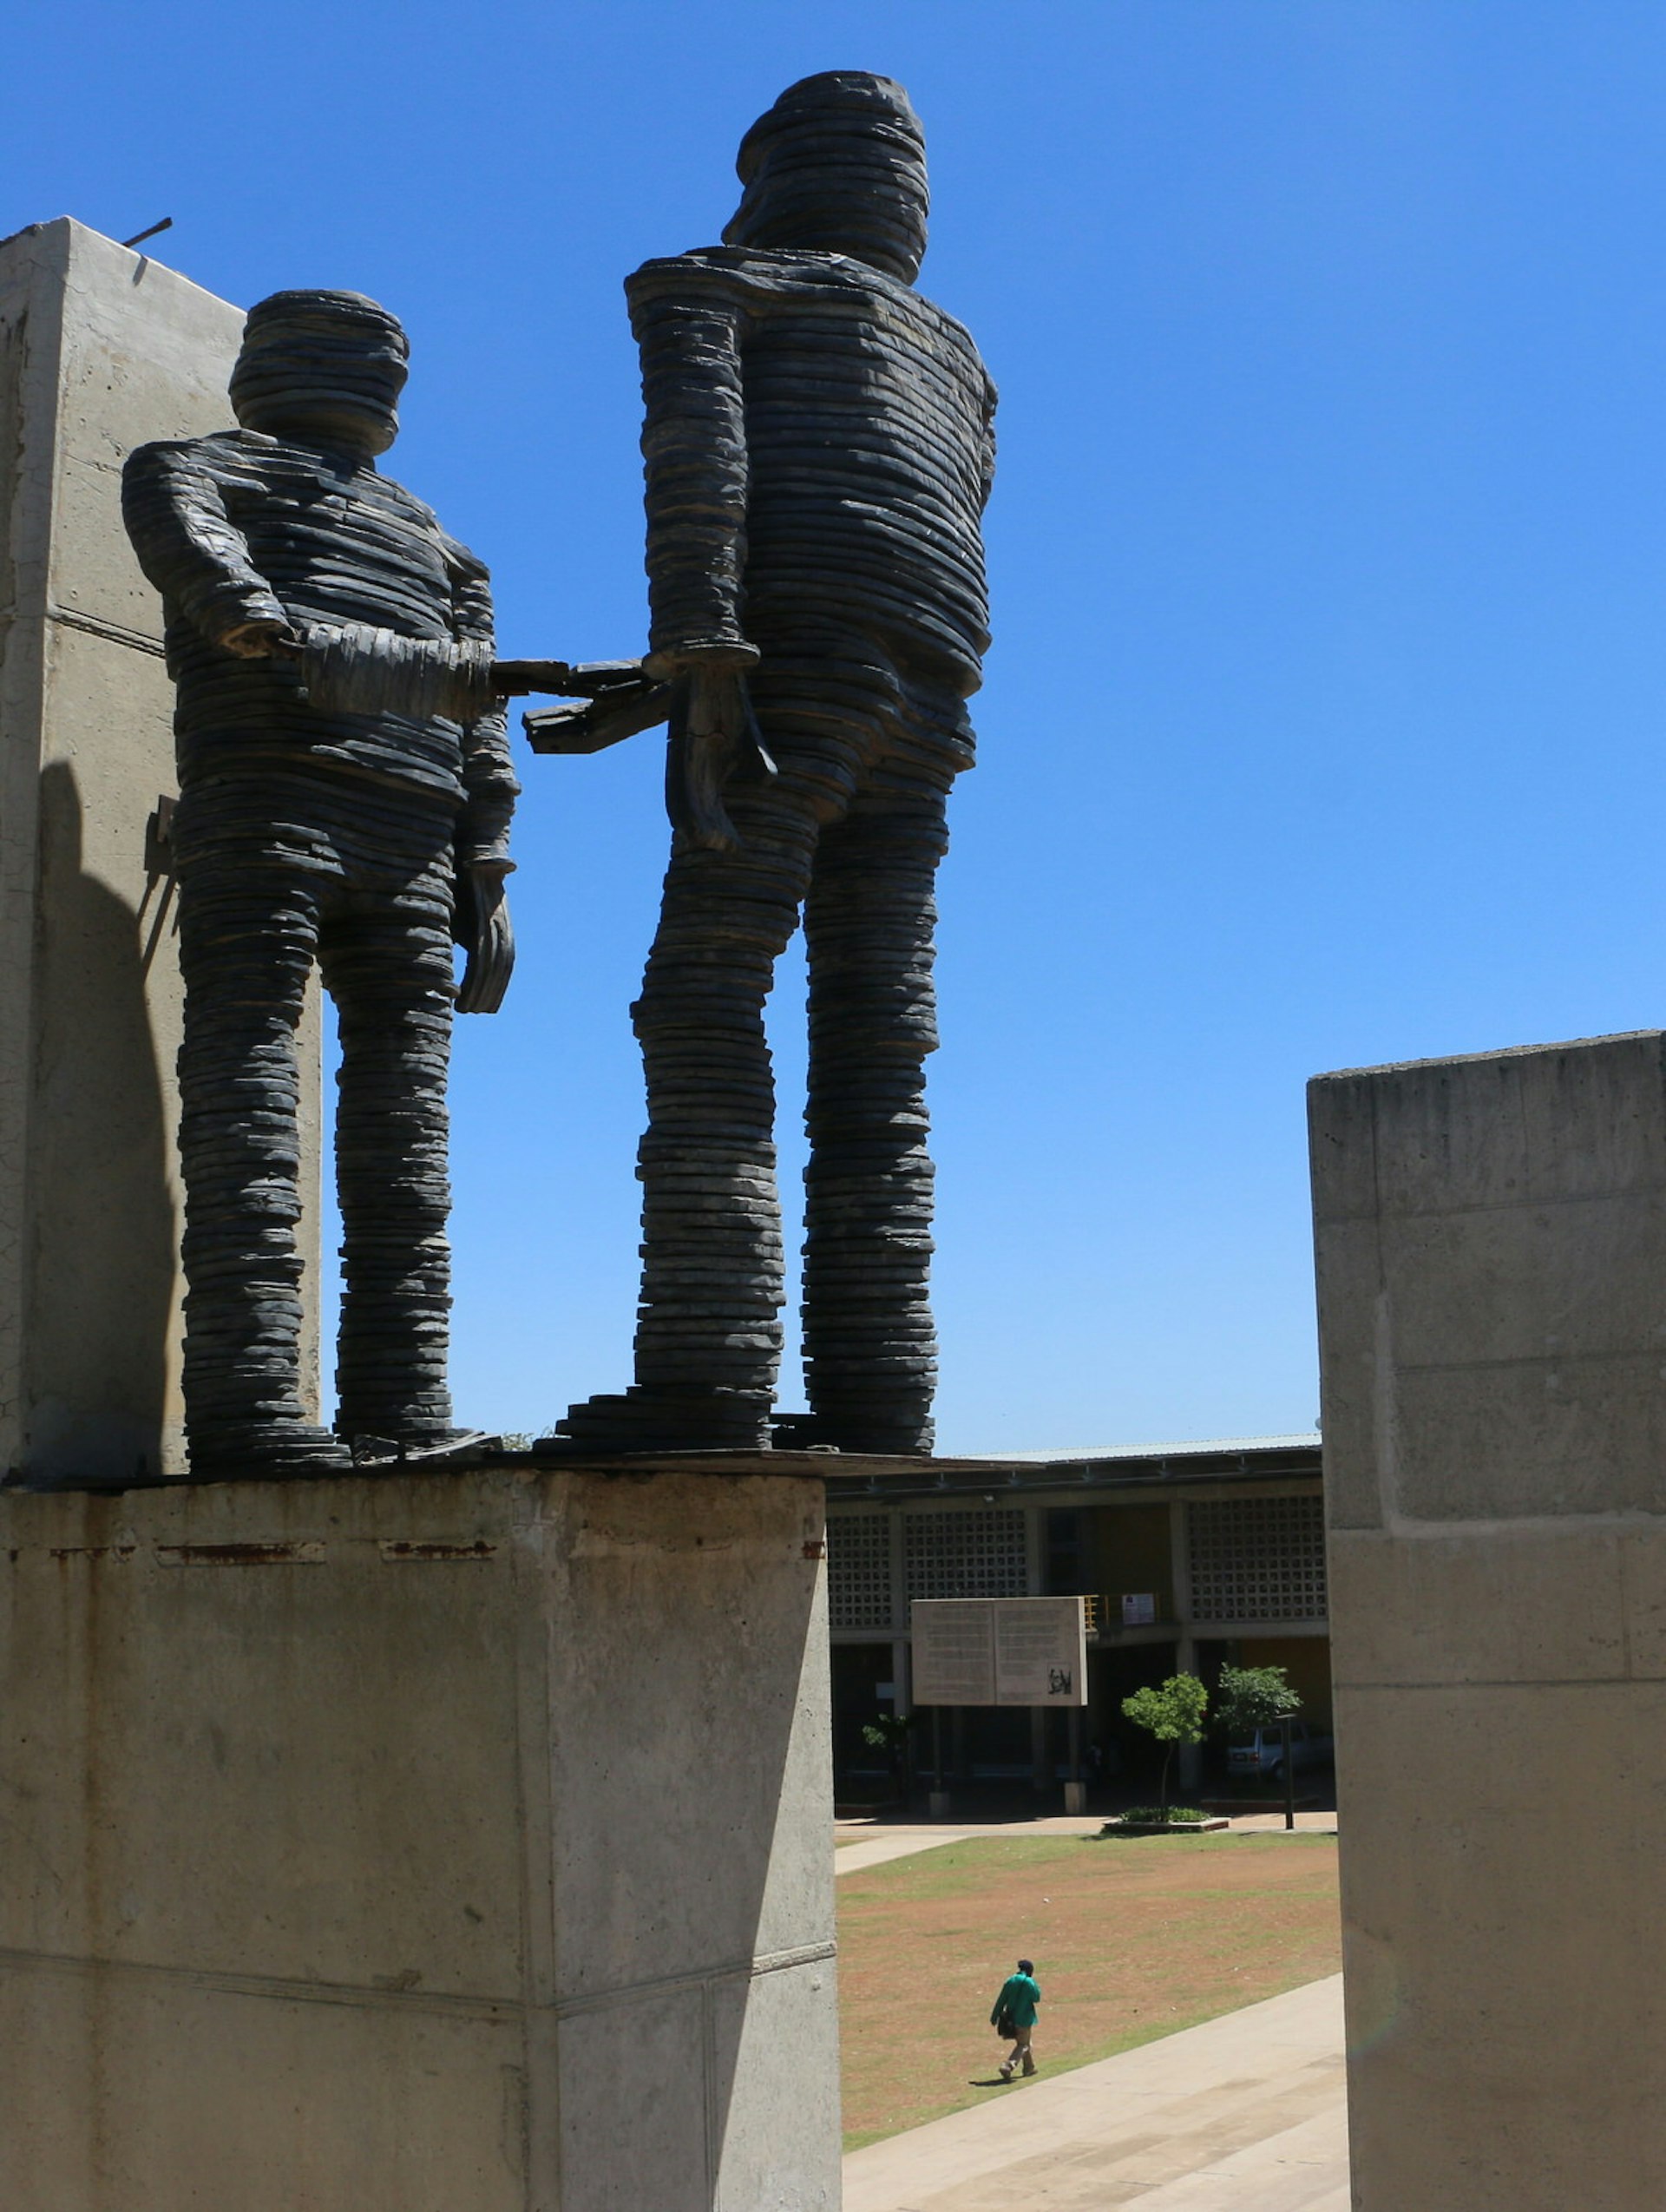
point(877, 1847)
point(1244, 2114)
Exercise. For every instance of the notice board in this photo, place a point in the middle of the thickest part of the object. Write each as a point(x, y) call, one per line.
point(999, 1650)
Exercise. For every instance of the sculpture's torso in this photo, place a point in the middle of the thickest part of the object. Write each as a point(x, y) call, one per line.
point(336, 543)
point(867, 447)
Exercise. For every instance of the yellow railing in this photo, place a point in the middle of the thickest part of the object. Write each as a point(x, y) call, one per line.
point(1104, 1613)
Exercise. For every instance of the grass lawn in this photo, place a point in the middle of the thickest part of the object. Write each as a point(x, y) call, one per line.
point(1132, 1939)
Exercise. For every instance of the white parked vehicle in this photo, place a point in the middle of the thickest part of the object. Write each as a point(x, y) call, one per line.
point(1262, 1752)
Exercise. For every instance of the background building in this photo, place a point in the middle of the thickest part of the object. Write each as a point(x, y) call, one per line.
point(1190, 1555)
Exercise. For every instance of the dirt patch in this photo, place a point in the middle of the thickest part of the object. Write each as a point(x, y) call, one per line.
point(1132, 1939)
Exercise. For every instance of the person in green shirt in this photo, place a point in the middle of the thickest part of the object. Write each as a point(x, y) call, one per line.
point(1014, 2016)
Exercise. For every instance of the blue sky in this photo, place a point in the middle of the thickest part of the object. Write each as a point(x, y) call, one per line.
point(1323, 722)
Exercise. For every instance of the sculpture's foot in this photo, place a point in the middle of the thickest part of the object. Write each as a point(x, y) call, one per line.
point(645, 1420)
point(440, 1448)
point(229, 1450)
point(886, 1433)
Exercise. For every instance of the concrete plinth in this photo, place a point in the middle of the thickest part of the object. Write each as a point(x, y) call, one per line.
point(101, 348)
point(453, 1844)
point(1491, 1258)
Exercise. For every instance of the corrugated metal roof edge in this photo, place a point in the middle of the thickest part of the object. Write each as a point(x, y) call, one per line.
point(1309, 1440)
point(1253, 1461)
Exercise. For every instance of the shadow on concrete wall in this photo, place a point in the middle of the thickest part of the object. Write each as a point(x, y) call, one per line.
point(105, 1239)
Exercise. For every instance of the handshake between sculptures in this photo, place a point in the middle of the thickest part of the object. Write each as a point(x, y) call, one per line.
point(353, 668)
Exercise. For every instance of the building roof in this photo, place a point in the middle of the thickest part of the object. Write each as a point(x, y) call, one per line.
point(1114, 1467)
point(1306, 1439)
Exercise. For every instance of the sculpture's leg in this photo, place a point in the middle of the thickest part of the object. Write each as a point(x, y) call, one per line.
point(708, 1339)
point(869, 1343)
point(712, 1265)
point(248, 930)
point(388, 965)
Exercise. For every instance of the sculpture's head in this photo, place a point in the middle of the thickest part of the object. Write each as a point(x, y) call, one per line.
point(837, 165)
point(324, 367)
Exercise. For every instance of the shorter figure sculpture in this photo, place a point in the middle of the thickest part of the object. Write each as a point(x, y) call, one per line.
point(345, 792)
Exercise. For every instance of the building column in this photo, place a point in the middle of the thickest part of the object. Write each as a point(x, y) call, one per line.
point(1491, 1266)
point(1190, 1760)
point(101, 349)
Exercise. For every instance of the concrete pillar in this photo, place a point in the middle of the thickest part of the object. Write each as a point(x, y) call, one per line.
point(897, 1553)
point(1491, 1265)
point(100, 348)
point(1180, 1561)
point(381, 1845)
point(1189, 1761)
point(914, 1750)
point(1189, 1757)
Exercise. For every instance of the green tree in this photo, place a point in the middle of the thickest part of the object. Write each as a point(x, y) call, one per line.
point(889, 1732)
point(1252, 1697)
point(1173, 1714)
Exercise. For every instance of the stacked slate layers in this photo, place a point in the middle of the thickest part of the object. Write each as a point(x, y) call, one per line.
point(305, 835)
point(819, 449)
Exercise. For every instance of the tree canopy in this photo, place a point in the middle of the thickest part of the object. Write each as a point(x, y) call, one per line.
point(1251, 1698)
point(1173, 1713)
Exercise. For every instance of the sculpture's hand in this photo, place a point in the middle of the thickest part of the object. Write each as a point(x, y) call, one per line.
point(261, 640)
point(568, 679)
point(516, 678)
point(610, 715)
point(483, 930)
point(720, 735)
point(718, 706)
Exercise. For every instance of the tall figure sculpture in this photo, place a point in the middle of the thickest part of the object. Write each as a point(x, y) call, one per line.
point(819, 449)
point(328, 812)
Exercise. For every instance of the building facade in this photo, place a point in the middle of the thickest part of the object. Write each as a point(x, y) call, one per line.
point(1190, 1556)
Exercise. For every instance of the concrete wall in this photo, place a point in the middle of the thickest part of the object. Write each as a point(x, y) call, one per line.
point(1134, 1551)
point(460, 1844)
point(1491, 1259)
point(1306, 1661)
point(100, 348)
